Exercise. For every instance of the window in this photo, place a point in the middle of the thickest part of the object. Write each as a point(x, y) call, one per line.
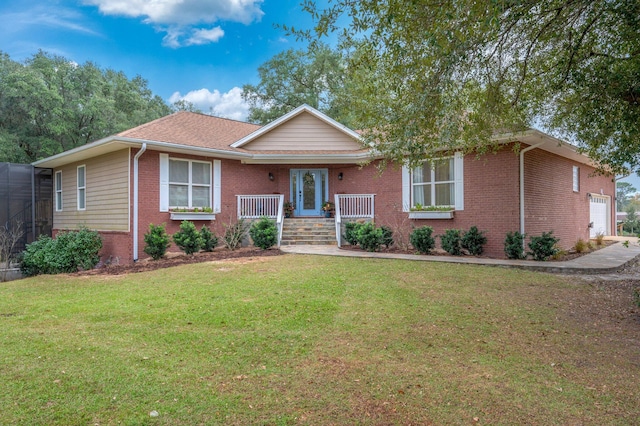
point(189, 183)
point(82, 187)
point(433, 184)
point(576, 179)
point(58, 189)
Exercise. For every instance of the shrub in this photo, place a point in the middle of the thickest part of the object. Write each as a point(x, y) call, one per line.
point(473, 241)
point(514, 245)
point(69, 252)
point(422, 239)
point(544, 246)
point(581, 246)
point(370, 238)
point(351, 232)
point(599, 238)
point(452, 241)
point(264, 233)
point(209, 239)
point(234, 233)
point(387, 236)
point(157, 241)
point(188, 239)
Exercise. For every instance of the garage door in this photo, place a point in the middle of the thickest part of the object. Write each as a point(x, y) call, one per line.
point(599, 215)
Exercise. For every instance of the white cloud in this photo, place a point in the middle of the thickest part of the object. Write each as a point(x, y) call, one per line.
point(176, 17)
point(227, 105)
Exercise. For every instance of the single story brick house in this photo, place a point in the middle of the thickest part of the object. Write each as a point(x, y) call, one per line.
point(230, 169)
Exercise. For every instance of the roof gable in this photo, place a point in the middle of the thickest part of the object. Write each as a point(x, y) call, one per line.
point(303, 129)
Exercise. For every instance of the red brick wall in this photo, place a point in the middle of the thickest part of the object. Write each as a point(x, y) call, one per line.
point(550, 202)
point(490, 201)
point(491, 197)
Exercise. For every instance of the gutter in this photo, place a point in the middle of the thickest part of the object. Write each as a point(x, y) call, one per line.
point(135, 201)
point(529, 148)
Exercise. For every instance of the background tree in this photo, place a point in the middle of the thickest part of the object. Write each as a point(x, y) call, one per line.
point(430, 75)
point(623, 191)
point(294, 77)
point(50, 104)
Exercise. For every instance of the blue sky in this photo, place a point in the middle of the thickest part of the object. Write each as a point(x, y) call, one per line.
point(199, 50)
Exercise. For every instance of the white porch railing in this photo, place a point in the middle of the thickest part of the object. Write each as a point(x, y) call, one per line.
point(351, 206)
point(257, 206)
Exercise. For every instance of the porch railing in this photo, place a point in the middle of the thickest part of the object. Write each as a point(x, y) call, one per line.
point(351, 206)
point(257, 206)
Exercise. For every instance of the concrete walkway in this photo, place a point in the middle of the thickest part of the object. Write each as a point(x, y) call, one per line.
point(607, 260)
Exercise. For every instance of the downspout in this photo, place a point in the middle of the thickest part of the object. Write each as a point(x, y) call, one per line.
point(135, 200)
point(529, 148)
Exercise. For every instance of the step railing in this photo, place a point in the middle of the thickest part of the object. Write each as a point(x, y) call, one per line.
point(352, 206)
point(257, 206)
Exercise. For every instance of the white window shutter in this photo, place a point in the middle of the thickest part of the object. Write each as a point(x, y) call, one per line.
point(458, 168)
point(164, 182)
point(406, 189)
point(217, 187)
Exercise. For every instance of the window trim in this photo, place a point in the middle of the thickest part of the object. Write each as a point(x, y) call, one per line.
point(458, 179)
point(576, 178)
point(190, 185)
point(58, 191)
point(432, 183)
point(81, 189)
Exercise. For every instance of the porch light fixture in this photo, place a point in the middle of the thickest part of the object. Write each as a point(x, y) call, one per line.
point(271, 176)
point(340, 176)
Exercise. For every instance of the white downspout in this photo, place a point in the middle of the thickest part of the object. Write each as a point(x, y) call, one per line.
point(529, 148)
point(135, 200)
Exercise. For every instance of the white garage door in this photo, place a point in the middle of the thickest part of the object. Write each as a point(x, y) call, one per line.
point(599, 215)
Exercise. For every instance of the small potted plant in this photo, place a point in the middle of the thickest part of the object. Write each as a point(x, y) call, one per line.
point(328, 207)
point(289, 207)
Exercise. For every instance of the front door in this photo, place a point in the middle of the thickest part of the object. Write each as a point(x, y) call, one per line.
point(309, 189)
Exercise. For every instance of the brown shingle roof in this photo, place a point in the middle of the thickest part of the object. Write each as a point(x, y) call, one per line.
point(193, 129)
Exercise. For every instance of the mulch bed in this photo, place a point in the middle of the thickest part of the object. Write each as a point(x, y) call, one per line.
point(177, 259)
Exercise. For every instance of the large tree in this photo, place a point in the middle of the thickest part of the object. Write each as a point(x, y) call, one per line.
point(429, 75)
point(294, 77)
point(49, 104)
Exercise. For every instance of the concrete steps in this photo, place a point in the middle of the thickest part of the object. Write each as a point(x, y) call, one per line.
point(308, 231)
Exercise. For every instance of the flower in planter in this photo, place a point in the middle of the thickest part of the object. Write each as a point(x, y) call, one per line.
point(328, 206)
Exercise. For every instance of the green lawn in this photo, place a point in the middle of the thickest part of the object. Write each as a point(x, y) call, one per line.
point(312, 340)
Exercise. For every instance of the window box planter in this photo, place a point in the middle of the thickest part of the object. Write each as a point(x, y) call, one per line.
point(192, 216)
point(431, 214)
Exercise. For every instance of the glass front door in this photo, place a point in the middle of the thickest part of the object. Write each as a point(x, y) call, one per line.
point(309, 188)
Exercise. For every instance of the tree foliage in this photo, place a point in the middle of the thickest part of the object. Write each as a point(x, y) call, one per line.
point(49, 104)
point(432, 75)
point(294, 77)
point(624, 190)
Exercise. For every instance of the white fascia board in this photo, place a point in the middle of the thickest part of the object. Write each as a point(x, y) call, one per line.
point(302, 108)
point(310, 159)
point(114, 143)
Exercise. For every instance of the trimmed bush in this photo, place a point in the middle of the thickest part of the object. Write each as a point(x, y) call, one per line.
point(473, 241)
point(422, 239)
point(452, 241)
point(157, 241)
point(209, 239)
point(264, 233)
point(514, 245)
point(70, 251)
point(234, 233)
point(370, 238)
point(387, 236)
point(351, 232)
point(188, 239)
point(544, 246)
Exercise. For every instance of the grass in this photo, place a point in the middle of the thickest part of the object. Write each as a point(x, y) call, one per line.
point(309, 340)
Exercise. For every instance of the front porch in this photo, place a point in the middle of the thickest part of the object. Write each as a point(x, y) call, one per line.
point(348, 207)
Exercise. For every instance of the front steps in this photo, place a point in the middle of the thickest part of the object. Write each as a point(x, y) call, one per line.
point(308, 231)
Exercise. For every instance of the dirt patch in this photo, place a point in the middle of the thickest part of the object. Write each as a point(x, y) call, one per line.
point(177, 259)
